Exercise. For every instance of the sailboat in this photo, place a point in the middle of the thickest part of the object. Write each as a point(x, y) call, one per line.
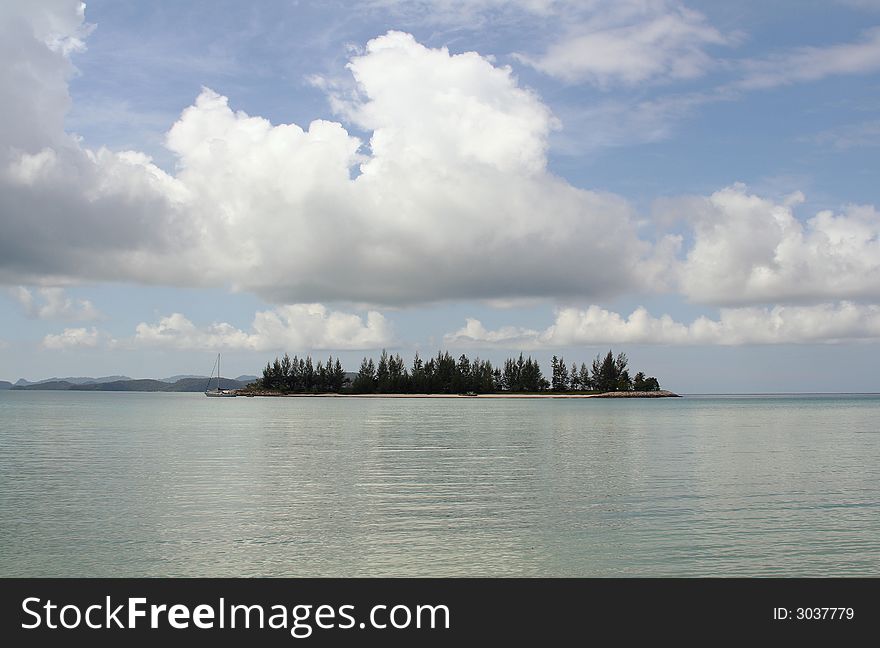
point(218, 392)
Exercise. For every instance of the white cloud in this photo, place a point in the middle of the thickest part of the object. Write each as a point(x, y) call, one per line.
point(71, 338)
point(295, 327)
point(453, 201)
point(473, 332)
point(748, 249)
point(36, 39)
point(824, 323)
point(53, 303)
point(631, 43)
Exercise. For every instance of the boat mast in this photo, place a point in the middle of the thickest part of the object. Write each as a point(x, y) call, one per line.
point(218, 372)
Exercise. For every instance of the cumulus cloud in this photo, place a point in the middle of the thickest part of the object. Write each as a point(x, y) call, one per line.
point(36, 39)
point(451, 199)
point(823, 323)
point(67, 212)
point(53, 303)
point(291, 327)
point(474, 333)
point(630, 43)
point(71, 338)
point(749, 249)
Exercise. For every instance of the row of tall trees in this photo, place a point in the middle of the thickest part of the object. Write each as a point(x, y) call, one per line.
point(444, 374)
point(441, 375)
point(607, 374)
point(301, 375)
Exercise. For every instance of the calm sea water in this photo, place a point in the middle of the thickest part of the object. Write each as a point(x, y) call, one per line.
point(130, 484)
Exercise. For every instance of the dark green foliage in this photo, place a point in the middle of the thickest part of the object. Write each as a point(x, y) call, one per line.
point(574, 383)
point(559, 376)
point(417, 379)
point(611, 374)
point(337, 377)
point(584, 378)
point(365, 381)
point(643, 383)
point(522, 375)
point(295, 375)
point(398, 378)
point(444, 374)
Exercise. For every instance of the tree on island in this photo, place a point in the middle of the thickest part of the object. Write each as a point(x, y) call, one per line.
point(444, 374)
point(365, 381)
point(641, 383)
point(559, 375)
point(611, 374)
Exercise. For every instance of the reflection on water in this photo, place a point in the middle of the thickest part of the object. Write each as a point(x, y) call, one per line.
point(180, 485)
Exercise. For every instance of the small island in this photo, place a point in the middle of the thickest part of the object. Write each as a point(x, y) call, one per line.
point(445, 377)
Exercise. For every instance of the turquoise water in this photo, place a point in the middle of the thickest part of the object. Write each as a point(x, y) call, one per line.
point(128, 484)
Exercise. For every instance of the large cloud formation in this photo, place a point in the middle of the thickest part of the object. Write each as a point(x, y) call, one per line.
point(450, 199)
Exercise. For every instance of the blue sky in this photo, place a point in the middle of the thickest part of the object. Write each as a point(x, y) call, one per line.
point(693, 183)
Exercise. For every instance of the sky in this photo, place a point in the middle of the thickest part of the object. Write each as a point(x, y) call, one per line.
point(692, 183)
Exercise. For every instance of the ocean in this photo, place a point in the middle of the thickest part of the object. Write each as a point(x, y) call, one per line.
point(167, 484)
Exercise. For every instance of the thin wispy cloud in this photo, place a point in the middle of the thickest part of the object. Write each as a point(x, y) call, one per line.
point(808, 64)
point(630, 120)
point(859, 135)
point(632, 43)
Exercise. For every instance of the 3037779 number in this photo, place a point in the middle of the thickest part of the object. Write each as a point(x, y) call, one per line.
point(814, 614)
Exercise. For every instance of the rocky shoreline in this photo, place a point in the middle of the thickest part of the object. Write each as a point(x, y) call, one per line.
point(662, 393)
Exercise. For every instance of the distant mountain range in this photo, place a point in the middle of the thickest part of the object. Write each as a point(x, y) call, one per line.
point(78, 380)
point(124, 383)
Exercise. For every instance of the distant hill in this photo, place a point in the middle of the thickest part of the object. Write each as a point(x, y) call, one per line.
point(5, 384)
point(174, 379)
point(73, 380)
point(49, 385)
point(148, 385)
point(143, 385)
point(245, 378)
